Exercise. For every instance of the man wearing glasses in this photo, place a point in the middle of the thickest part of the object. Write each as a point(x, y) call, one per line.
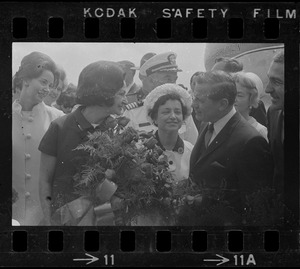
point(157, 70)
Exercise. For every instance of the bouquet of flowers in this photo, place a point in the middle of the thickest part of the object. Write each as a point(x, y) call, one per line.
point(128, 169)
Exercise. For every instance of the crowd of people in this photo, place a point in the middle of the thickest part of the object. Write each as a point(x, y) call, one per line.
point(216, 131)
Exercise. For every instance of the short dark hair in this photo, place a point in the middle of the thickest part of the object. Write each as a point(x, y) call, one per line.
point(194, 75)
point(222, 85)
point(161, 101)
point(230, 65)
point(32, 66)
point(99, 82)
point(279, 57)
point(68, 97)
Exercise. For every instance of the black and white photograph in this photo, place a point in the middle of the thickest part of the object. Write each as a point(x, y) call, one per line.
point(148, 134)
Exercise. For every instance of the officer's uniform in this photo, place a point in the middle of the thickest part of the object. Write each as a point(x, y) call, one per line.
point(137, 114)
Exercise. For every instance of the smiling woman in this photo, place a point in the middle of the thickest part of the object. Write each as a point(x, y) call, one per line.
point(167, 107)
point(30, 120)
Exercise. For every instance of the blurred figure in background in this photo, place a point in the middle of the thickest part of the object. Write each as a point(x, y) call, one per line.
point(229, 65)
point(30, 120)
point(67, 100)
point(199, 124)
point(129, 69)
point(246, 99)
point(54, 93)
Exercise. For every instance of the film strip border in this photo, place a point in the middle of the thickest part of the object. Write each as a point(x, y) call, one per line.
point(148, 247)
point(166, 22)
point(140, 22)
point(163, 28)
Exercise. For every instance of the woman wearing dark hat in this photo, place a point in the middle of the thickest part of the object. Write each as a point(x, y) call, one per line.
point(30, 120)
point(101, 93)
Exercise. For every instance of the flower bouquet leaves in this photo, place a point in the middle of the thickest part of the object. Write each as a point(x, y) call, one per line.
point(133, 169)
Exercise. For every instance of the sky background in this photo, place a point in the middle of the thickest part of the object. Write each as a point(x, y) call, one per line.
point(73, 57)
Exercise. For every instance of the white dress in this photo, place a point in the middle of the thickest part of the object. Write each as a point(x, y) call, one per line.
point(28, 128)
point(179, 162)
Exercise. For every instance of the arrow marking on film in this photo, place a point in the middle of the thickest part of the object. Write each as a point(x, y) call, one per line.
point(91, 259)
point(221, 261)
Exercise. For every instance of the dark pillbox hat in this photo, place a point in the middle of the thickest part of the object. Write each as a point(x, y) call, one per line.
point(102, 78)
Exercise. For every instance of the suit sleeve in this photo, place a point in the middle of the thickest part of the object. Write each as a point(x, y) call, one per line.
point(255, 167)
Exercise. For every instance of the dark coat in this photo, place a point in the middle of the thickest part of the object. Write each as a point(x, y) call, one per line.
point(275, 129)
point(237, 162)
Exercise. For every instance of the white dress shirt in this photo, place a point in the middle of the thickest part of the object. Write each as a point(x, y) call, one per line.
point(219, 125)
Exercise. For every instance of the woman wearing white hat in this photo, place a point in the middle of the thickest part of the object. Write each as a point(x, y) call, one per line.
point(167, 107)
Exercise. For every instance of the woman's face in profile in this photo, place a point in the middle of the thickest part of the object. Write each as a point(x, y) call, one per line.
point(119, 103)
point(169, 116)
point(242, 101)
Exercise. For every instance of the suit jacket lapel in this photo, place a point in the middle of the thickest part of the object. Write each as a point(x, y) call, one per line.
point(221, 137)
point(197, 148)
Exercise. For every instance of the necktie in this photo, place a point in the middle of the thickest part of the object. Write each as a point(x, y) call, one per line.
point(208, 134)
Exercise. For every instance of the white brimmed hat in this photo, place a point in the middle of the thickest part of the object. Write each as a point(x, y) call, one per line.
point(165, 89)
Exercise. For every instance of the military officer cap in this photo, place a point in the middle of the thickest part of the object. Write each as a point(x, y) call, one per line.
point(163, 62)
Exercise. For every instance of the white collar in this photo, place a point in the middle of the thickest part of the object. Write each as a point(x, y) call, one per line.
point(219, 125)
point(16, 107)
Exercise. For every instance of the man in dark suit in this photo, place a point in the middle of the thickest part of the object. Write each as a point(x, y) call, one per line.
point(275, 117)
point(230, 156)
